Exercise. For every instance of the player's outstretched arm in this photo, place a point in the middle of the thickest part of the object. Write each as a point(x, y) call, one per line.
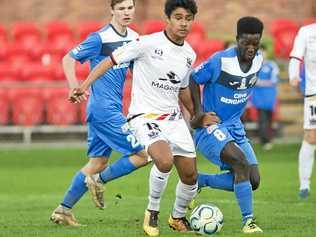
point(98, 71)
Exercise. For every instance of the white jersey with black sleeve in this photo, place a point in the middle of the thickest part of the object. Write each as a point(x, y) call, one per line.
point(161, 68)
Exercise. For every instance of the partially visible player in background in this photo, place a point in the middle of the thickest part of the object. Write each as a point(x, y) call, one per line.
point(105, 120)
point(264, 98)
point(304, 49)
point(228, 78)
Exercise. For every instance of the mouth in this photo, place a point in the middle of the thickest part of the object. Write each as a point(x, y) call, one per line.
point(250, 55)
point(127, 19)
point(183, 31)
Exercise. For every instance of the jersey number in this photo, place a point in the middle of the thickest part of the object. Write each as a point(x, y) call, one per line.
point(219, 135)
point(132, 139)
point(313, 110)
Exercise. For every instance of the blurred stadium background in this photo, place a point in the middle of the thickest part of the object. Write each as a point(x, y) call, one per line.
point(35, 35)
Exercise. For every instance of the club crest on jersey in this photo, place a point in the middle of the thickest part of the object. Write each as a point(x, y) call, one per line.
point(158, 53)
point(189, 62)
point(172, 77)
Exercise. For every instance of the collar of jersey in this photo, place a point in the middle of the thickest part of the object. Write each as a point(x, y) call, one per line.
point(118, 32)
point(165, 33)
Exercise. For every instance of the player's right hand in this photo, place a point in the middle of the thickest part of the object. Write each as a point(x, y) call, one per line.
point(77, 95)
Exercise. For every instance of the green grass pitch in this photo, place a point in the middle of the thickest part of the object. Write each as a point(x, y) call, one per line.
point(33, 181)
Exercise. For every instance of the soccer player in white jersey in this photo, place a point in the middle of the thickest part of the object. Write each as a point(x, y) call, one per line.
point(104, 113)
point(162, 66)
point(304, 49)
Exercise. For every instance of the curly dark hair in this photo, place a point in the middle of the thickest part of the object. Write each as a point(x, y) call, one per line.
point(249, 25)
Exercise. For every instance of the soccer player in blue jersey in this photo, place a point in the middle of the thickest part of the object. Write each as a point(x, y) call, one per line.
point(228, 78)
point(106, 123)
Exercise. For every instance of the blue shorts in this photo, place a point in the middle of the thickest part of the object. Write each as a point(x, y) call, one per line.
point(103, 137)
point(211, 141)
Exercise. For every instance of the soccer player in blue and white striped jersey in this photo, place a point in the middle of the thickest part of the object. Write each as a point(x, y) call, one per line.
point(107, 126)
point(228, 78)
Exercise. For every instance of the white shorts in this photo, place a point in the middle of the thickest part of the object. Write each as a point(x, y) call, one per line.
point(310, 112)
point(175, 132)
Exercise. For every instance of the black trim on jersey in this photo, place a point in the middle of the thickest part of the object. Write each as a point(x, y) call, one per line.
point(109, 47)
point(299, 59)
point(306, 96)
point(172, 40)
point(133, 116)
point(236, 82)
point(122, 35)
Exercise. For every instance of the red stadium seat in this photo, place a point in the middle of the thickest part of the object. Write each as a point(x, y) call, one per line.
point(3, 34)
point(60, 38)
point(198, 28)
point(28, 36)
point(86, 27)
point(279, 25)
point(208, 47)
point(59, 110)
point(194, 39)
point(37, 73)
point(283, 42)
point(27, 107)
point(4, 105)
point(56, 29)
point(8, 73)
point(151, 26)
point(134, 27)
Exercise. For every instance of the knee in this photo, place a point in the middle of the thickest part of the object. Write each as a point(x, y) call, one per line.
point(189, 178)
point(164, 165)
point(97, 165)
point(310, 137)
point(241, 166)
point(140, 159)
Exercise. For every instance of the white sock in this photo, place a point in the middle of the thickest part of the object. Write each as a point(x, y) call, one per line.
point(157, 185)
point(184, 195)
point(306, 161)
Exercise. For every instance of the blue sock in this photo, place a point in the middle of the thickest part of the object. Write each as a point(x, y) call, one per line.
point(223, 181)
point(75, 192)
point(243, 193)
point(119, 168)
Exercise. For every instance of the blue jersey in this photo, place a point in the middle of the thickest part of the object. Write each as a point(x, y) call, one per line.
point(105, 99)
point(226, 87)
point(265, 92)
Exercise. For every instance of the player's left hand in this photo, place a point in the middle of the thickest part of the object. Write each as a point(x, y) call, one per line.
point(77, 95)
point(204, 120)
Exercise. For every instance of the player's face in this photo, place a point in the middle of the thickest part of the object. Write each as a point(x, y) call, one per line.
point(179, 23)
point(123, 13)
point(248, 45)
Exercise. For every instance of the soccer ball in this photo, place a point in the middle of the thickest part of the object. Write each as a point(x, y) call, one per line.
point(206, 219)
